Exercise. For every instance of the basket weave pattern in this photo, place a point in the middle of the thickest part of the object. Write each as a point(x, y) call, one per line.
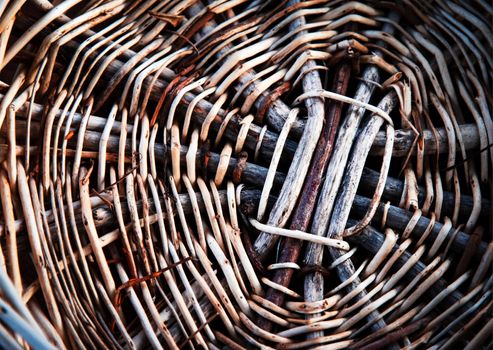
point(246, 174)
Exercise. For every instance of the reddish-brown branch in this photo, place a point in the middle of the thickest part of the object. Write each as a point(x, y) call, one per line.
point(291, 248)
point(134, 281)
point(166, 92)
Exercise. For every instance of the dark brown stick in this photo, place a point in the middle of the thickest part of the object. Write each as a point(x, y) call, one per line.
point(393, 336)
point(403, 142)
point(469, 252)
point(393, 192)
point(255, 175)
point(397, 219)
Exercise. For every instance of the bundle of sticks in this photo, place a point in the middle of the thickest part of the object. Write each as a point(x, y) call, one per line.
point(246, 174)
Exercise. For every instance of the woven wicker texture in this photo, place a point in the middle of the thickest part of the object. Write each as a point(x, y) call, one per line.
point(246, 174)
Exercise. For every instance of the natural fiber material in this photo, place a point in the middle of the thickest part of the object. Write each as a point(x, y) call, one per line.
point(246, 174)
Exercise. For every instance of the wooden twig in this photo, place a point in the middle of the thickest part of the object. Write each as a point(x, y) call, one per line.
point(398, 219)
point(404, 140)
point(393, 336)
point(291, 248)
point(301, 161)
point(394, 188)
point(402, 143)
point(335, 171)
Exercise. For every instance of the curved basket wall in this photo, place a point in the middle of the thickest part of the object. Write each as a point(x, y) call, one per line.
point(246, 174)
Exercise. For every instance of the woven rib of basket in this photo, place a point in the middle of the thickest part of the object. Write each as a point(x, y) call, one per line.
point(246, 174)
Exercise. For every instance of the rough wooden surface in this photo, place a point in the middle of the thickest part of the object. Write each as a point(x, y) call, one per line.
point(291, 248)
point(301, 160)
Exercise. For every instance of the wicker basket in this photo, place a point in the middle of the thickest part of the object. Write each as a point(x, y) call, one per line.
point(246, 174)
